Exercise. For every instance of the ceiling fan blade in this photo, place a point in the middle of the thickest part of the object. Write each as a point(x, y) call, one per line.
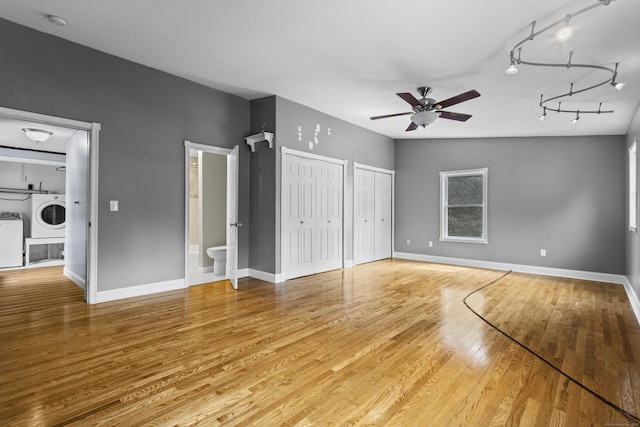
point(390, 115)
point(410, 99)
point(412, 126)
point(454, 116)
point(458, 99)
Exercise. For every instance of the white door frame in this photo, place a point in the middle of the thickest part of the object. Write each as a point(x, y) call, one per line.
point(188, 146)
point(283, 181)
point(391, 172)
point(93, 130)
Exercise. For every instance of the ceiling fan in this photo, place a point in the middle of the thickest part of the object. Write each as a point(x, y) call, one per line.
point(427, 110)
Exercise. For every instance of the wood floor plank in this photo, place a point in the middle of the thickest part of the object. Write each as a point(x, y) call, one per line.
point(386, 343)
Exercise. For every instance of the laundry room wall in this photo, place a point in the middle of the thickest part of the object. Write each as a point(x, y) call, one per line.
point(20, 175)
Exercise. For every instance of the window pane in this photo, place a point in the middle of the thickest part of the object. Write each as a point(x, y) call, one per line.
point(465, 190)
point(465, 221)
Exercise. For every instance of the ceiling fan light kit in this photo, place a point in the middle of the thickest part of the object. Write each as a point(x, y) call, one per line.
point(428, 110)
point(563, 33)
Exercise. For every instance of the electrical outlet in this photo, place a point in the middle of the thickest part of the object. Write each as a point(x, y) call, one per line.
point(408, 242)
point(543, 252)
point(430, 244)
point(113, 205)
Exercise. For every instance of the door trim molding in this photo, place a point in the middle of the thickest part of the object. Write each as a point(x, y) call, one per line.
point(288, 151)
point(391, 172)
point(188, 146)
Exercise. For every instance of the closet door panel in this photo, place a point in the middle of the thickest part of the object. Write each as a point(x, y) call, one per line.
point(383, 220)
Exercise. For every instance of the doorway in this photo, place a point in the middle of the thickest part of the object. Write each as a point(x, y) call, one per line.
point(81, 167)
point(211, 212)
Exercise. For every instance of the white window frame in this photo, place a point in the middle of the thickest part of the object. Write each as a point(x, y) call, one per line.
point(633, 197)
point(444, 204)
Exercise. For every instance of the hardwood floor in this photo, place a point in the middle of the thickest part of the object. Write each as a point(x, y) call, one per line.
point(387, 343)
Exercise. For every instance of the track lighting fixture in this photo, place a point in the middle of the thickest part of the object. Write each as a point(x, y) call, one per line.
point(564, 33)
point(575, 121)
point(543, 115)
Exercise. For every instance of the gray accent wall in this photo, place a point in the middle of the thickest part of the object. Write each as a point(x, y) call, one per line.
point(304, 129)
point(562, 194)
point(146, 115)
point(632, 237)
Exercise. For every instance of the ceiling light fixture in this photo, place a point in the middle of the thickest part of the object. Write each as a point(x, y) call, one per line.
point(57, 20)
point(37, 135)
point(575, 121)
point(564, 33)
point(543, 115)
point(425, 118)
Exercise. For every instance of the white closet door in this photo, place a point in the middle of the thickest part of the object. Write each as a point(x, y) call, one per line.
point(329, 215)
point(292, 216)
point(312, 197)
point(383, 195)
point(364, 215)
point(308, 232)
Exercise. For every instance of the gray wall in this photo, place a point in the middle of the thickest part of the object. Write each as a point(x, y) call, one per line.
point(563, 194)
point(263, 188)
point(295, 128)
point(335, 138)
point(632, 238)
point(145, 115)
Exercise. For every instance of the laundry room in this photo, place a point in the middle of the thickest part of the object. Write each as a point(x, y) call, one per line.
point(32, 196)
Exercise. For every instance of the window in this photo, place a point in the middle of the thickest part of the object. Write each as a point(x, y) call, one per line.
point(463, 203)
point(632, 187)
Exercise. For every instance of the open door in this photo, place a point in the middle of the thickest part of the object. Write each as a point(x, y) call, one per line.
point(232, 217)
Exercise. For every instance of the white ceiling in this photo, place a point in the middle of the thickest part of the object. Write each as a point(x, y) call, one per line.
point(349, 58)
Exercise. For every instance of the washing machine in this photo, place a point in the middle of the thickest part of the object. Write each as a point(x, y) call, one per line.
point(48, 215)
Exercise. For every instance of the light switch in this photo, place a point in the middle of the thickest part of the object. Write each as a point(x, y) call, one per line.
point(113, 205)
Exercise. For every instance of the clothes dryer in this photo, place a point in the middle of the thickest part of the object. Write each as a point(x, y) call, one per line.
point(48, 215)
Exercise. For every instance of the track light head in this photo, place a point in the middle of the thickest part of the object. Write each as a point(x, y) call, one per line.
point(575, 121)
point(512, 69)
point(618, 85)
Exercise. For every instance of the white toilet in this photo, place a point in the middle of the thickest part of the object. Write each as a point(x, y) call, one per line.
point(219, 256)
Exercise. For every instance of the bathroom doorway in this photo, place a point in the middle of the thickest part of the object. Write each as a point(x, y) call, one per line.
point(210, 214)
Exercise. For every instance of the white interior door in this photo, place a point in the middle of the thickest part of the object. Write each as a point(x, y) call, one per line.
point(312, 218)
point(329, 215)
point(232, 217)
point(291, 214)
point(383, 198)
point(364, 215)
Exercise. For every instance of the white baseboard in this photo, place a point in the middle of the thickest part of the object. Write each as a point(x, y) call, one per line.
point(75, 278)
point(261, 275)
point(140, 290)
point(520, 268)
point(349, 263)
point(633, 298)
